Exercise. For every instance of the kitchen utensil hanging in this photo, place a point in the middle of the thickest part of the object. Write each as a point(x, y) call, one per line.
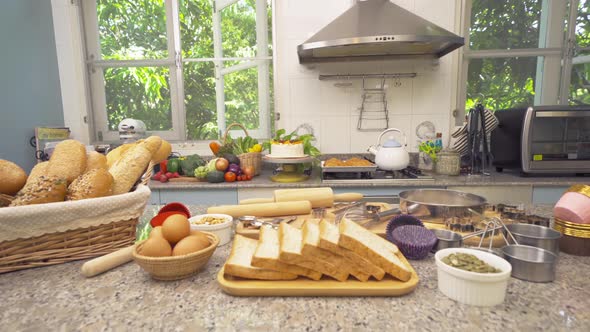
point(377, 113)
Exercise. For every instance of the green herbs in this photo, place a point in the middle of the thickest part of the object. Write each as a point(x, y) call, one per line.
point(293, 137)
point(469, 262)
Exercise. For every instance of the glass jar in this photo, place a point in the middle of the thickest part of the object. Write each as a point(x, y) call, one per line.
point(448, 162)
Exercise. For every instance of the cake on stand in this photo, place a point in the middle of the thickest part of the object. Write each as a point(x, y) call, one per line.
point(290, 170)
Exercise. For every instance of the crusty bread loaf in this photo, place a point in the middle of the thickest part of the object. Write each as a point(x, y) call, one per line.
point(45, 189)
point(267, 256)
point(291, 240)
point(37, 171)
point(329, 236)
point(311, 248)
point(373, 247)
point(97, 182)
point(68, 160)
point(239, 263)
point(117, 153)
point(163, 152)
point(13, 178)
point(95, 160)
point(127, 170)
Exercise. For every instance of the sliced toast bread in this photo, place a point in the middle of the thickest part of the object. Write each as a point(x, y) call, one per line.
point(267, 256)
point(311, 242)
point(291, 246)
point(329, 236)
point(239, 263)
point(373, 247)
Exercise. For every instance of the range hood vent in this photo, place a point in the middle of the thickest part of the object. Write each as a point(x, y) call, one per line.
point(377, 30)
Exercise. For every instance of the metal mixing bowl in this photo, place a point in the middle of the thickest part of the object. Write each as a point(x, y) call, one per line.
point(530, 263)
point(535, 235)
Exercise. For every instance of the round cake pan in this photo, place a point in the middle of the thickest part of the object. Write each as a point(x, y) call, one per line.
point(530, 263)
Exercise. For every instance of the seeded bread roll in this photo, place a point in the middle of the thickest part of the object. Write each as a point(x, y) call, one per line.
point(68, 160)
point(97, 182)
point(95, 160)
point(45, 189)
point(37, 171)
point(13, 178)
point(127, 170)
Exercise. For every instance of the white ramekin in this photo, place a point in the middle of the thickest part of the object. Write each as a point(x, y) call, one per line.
point(479, 289)
point(223, 230)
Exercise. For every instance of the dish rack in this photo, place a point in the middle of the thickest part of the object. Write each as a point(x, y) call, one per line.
point(78, 229)
point(378, 97)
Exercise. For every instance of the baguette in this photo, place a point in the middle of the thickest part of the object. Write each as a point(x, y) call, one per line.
point(68, 160)
point(267, 256)
point(374, 248)
point(311, 242)
point(239, 263)
point(127, 170)
point(117, 153)
point(291, 246)
point(329, 237)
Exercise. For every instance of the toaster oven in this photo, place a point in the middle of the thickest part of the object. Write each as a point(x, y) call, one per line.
point(556, 139)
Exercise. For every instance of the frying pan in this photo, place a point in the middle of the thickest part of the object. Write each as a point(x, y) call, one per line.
point(438, 205)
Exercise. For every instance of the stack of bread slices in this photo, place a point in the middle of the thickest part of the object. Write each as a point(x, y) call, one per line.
point(319, 248)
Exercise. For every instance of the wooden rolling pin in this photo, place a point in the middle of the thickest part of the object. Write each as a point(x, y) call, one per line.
point(264, 209)
point(319, 197)
point(107, 262)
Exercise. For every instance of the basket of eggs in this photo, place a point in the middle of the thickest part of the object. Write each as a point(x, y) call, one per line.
point(173, 251)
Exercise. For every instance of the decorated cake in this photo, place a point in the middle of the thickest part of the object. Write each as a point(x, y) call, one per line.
point(286, 149)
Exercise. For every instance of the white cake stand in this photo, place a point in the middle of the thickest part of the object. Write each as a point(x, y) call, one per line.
point(286, 171)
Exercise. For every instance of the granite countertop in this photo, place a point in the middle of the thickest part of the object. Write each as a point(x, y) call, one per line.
point(506, 178)
point(126, 298)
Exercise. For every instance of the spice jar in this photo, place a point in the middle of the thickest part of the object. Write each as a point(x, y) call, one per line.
point(448, 162)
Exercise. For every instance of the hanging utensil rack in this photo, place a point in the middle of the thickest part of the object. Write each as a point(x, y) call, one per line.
point(378, 113)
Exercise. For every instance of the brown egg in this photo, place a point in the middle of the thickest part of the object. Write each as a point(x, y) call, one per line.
point(155, 247)
point(156, 231)
point(190, 244)
point(175, 228)
point(199, 234)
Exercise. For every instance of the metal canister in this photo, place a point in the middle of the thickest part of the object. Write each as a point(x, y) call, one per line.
point(448, 162)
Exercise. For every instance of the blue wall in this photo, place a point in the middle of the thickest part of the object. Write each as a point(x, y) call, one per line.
point(30, 94)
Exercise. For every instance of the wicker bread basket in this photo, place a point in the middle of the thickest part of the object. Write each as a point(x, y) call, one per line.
point(34, 243)
point(253, 159)
point(176, 267)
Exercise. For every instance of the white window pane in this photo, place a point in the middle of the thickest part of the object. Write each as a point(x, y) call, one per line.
point(504, 24)
point(241, 98)
point(238, 29)
point(132, 29)
point(199, 101)
point(196, 28)
point(501, 83)
point(141, 93)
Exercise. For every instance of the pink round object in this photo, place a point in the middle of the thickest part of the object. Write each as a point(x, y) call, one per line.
point(573, 207)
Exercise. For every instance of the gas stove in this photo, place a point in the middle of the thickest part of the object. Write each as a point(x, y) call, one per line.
point(376, 176)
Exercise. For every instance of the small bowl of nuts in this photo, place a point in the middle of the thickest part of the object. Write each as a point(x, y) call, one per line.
point(218, 224)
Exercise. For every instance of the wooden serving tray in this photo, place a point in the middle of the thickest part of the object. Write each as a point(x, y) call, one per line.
point(326, 286)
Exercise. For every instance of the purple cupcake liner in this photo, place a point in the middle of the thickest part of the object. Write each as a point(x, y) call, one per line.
point(401, 220)
point(415, 242)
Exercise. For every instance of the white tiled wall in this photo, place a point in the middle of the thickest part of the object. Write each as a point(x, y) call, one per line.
point(333, 110)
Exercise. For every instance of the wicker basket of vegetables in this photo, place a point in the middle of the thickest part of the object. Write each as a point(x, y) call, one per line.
point(247, 149)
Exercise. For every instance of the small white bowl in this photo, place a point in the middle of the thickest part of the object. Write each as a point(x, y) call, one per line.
point(480, 289)
point(223, 230)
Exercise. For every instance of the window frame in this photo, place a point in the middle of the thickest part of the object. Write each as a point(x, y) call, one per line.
point(552, 80)
point(174, 62)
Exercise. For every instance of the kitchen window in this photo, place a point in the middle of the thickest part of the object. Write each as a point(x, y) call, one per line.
point(525, 52)
point(187, 68)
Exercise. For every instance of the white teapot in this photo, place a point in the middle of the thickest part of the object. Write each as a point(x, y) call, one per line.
point(391, 156)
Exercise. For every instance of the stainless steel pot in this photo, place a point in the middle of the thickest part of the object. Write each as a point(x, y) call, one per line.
point(535, 236)
point(530, 263)
point(442, 205)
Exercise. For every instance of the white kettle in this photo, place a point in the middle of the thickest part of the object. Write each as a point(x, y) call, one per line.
point(391, 156)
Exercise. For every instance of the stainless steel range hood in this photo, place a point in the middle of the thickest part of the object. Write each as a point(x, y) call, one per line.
point(377, 30)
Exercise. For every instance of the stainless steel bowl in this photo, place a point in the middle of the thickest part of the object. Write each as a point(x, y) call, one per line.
point(446, 239)
point(530, 263)
point(535, 235)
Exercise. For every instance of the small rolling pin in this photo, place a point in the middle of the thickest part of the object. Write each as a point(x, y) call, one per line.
point(264, 209)
point(107, 262)
point(319, 197)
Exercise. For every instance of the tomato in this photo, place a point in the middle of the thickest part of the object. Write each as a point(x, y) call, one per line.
point(248, 177)
point(163, 178)
point(221, 164)
point(164, 166)
point(230, 177)
point(169, 175)
point(248, 170)
point(214, 146)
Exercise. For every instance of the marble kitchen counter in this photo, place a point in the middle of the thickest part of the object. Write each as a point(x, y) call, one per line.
point(60, 298)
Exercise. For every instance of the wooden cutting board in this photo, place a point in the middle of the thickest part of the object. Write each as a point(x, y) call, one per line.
point(326, 286)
